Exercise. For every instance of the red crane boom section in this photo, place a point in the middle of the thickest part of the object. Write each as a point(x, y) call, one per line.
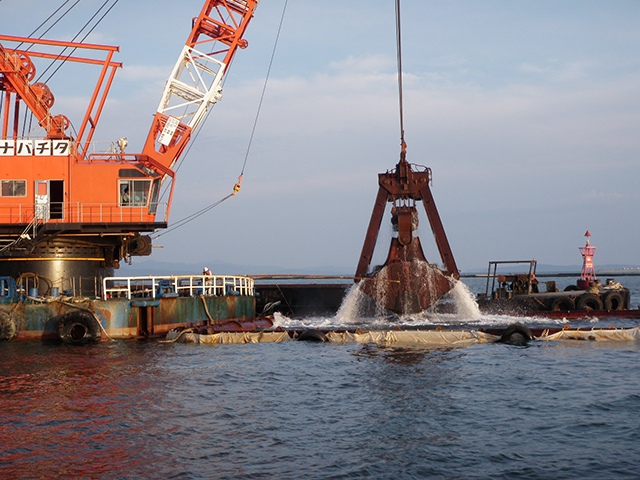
point(18, 71)
point(196, 81)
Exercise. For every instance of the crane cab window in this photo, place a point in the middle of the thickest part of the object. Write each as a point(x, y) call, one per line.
point(14, 188)
point(134, 193)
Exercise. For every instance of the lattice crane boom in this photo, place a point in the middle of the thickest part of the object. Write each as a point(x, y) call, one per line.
point(195, 83)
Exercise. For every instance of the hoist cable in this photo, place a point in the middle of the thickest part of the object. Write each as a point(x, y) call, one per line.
point(193, 216)
point(82, 40)
point(236, 187)
point(197, 132)
point(51, 16)
point(188, 149)
point(24, 123)
point(53, 25)
point(264, 87)
point(399, 59)
point(58, 20)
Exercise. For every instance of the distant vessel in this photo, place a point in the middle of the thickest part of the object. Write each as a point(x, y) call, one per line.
point(522, 294)
point(69, 215)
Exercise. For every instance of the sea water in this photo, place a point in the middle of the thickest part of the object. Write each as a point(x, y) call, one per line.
point(298, 410)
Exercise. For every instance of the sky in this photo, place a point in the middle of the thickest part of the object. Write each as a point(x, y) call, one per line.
point(527, 112)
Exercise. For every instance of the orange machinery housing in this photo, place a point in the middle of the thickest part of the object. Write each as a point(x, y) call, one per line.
point(67, 211)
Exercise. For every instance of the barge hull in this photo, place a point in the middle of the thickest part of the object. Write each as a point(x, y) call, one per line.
point(302, 300)
point(124, 318)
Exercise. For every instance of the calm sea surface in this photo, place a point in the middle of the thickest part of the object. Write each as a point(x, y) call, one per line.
point(297, 410)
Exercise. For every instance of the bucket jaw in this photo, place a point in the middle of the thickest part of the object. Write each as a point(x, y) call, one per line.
point(406, 283)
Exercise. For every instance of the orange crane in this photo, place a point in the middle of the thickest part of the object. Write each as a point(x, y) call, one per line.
point(66, 210)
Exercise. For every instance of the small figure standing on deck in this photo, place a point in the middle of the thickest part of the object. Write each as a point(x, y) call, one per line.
point(206, 271)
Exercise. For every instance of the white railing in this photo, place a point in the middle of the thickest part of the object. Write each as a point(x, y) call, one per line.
point(176, 285)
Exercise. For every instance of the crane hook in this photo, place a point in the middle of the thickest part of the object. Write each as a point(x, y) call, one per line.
point(236, 187)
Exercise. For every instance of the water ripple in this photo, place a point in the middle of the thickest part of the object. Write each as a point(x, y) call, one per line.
point(319, 411)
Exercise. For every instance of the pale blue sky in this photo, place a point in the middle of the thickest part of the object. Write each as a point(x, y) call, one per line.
point(528, 112)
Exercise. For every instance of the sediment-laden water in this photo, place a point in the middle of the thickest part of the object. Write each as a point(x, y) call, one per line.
point(297, 410)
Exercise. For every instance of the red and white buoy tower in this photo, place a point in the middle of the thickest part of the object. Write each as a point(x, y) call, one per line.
point(588, 273)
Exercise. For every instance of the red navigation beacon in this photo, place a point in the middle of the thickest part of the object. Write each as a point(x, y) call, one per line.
point(588, 273)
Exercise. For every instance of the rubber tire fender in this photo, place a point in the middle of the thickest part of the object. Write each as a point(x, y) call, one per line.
point(8, 328)
point(562, 304)
point(589, 301)
point(312, 335)
point(571, 288)
point(516, 333)
point(78, 328)
point(613, 301)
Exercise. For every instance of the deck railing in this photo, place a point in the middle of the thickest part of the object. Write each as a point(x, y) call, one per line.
point(176, 285)
point(76, 212)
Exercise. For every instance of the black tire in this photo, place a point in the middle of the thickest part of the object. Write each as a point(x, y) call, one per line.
point(589, 301)
point(79, 328)
point(8, 328)
point(614, 301)
point(571, 288)
point(516, 334)
point(312, 336)
point(562, 304)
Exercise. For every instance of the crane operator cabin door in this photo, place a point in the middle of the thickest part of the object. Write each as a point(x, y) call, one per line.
point(49, 199)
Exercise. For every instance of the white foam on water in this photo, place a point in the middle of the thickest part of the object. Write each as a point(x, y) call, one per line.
point(350, 307)
point(356, 312)
point(280, 320)
point(467, 312)
point(356, 309)
point(466, 305)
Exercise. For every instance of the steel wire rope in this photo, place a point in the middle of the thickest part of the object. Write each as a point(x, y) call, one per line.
point(82, 40)
point(24, 122)
point(202, 123)
point(195, 135)
point(399, 60)
point(193, 216)
point(186, 153)
point(54, 23)
point(259, 104)
point(264, 87)
point(204, 210)
point(63, 50)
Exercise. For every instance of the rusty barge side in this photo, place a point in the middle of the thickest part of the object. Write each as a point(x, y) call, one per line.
point(129, 307)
